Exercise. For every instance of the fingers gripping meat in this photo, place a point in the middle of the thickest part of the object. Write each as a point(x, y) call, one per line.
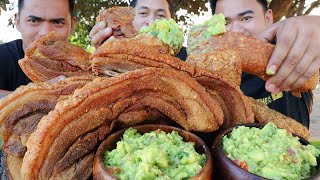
point(120, 20)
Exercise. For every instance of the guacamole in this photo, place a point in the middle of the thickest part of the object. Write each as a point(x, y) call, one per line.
point(200, 34)
point(154, 155)
point(270, 152)
point(167, 31)
point(216, 24)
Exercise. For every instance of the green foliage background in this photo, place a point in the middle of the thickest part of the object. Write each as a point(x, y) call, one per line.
point(87, 10)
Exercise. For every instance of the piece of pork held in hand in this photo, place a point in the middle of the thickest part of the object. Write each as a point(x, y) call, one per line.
point(211, 37)
point(49, 57)
point(120, 20)
point(161, 39)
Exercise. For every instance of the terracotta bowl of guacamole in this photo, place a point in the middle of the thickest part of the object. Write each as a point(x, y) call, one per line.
point(152, 151)
point(255, 151)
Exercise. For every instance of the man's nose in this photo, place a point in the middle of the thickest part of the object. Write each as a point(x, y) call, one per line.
point(45, 28)
point(236, 27)
point(150, 20)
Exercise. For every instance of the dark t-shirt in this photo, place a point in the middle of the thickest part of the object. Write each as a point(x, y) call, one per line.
point(11, 75)
point(284, 102)
point(182, 54)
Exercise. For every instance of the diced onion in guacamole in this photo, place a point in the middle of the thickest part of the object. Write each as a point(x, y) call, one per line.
point(167, 31)
point(270, 152)
point(154, 155)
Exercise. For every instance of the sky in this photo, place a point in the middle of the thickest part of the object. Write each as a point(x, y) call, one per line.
point(9, 33)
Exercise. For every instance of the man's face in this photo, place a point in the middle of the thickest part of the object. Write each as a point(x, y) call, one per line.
point(39, 17)
point(148, 11)
point(245, 16)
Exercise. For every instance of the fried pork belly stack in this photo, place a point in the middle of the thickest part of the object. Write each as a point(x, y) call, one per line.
point(21, 111)
point(120, 20)
point(119, 56)
point(232, 100)
point(49, 57)
point(64, 143)
point(52, 130)
point(253, 53)
point(219, 72)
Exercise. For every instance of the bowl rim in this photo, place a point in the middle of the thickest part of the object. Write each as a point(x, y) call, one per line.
point(217, 145)
point(153, 127)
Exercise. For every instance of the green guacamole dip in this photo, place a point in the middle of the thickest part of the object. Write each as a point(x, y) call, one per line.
point(167, 31)
point(216, 24)
point(154, 155)
point(270, 152)
point(200, 34)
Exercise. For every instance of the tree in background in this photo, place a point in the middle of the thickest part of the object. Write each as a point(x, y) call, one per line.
point(3, 4)
point(87, 10)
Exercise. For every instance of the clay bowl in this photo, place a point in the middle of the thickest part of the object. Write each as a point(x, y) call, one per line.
point(100, 172)
point(228, 170)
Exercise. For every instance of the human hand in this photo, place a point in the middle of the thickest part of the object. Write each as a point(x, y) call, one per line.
point(296, 56)
point(99, 33)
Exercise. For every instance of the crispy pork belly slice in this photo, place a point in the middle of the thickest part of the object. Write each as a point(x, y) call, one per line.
point(49, 57)
point(78, 160)
point(125, 55)
point(175, 94)
point(227, 66)
point(120, 20)
point(224, 63)
point(254, 54)
point(237, 107)
point(264, 114)
point(112, 56)
point(12, 166)
point(21, 111)
point(82, 169)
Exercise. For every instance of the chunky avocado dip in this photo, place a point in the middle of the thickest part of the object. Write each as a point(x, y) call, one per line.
point(200, 34)
point(154, 155)
point(167, 31)
point(270, 152)
point(216, 24)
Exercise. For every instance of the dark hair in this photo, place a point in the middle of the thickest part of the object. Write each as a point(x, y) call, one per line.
point(71, 6)
point(134, 3)
point(213, 4)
